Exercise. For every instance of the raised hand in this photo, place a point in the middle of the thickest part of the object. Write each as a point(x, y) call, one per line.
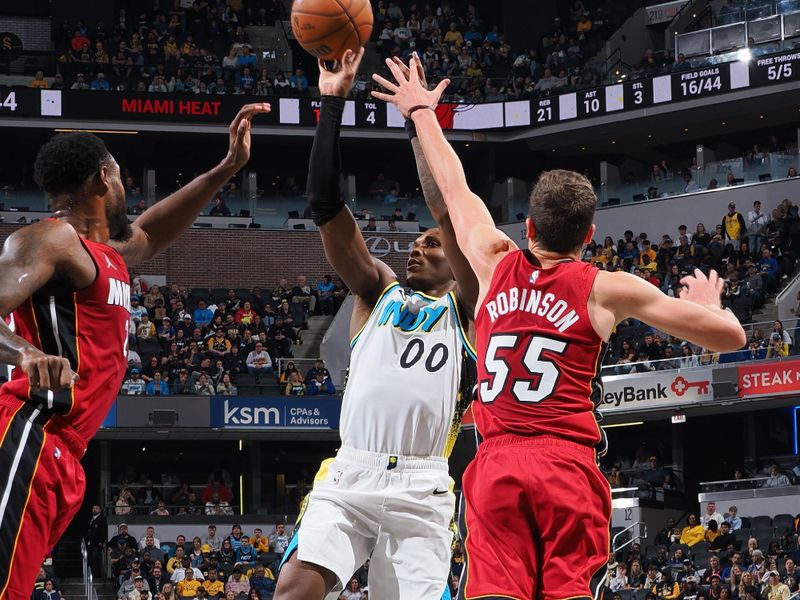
point(239, 134)
point(411, 90)
point(703, 290)
point(338, 80)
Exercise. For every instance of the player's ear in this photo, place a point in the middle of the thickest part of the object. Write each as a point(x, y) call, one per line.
point(101, 182)
point(590, 234)
point(530, 228)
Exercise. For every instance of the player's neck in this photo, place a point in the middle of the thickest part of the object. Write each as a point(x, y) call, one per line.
point(548, 258)
point(88, 217)
point(438, 291)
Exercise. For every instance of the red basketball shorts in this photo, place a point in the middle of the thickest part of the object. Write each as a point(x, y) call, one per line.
point(41, 488)
point(537, 512)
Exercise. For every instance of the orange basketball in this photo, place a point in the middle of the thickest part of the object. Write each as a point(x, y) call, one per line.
point(326, 28)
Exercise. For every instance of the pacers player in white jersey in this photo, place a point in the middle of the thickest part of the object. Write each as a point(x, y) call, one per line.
point(387, 495)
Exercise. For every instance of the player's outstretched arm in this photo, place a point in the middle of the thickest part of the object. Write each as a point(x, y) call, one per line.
point(344, 245)
point(48, 252)
point(465, 277)
point(163, 223)
point(696, 316)
point(482, 243)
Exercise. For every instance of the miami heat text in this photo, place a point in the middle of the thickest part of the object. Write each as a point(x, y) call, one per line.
point(171, 107)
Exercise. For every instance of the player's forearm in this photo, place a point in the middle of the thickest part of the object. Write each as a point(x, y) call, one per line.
point(466, 209)
point(430, 191)
point(324, 164)
point(165, 221)
point(13, 348)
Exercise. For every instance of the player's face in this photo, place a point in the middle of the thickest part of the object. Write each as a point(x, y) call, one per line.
point(427, 267)
point(116, 210)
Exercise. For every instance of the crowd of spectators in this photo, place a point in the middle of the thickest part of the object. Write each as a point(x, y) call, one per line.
point(455, 41)
point(208, 342)
point(712, 557)
point(753, 252)
point(233, 566)
point(201, 48)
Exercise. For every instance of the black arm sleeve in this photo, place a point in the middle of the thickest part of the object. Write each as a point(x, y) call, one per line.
point(324, 165)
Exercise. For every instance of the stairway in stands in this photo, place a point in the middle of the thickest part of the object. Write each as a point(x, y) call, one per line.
point(312, 337)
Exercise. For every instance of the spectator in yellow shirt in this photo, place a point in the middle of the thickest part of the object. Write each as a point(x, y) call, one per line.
point(213, 586)
point(453, 36)
point(259, 542)
point(39, 82)
point(176, 562)
point(584, 24)
point(187, 587)
point(694, 531)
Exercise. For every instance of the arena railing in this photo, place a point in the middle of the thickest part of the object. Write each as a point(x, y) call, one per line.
point(750, 483)
point(770, 167)
point(88, 579)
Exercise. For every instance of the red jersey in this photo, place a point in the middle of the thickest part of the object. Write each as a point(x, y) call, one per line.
point(538, 354)
point(89, 328)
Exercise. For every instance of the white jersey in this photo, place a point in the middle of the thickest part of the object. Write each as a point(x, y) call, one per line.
point(402, 394)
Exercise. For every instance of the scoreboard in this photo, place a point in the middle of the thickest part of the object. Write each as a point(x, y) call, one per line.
point(373, 114)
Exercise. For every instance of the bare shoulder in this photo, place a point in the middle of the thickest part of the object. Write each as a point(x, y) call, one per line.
point(50, 239)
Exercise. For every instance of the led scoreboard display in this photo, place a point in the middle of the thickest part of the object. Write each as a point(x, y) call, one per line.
point(690, 84)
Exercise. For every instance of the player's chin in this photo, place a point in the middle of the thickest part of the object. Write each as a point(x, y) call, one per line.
point(414, 279)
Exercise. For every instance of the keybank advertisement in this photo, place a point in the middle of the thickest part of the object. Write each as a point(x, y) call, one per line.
point(242, 412)
point(656, 389)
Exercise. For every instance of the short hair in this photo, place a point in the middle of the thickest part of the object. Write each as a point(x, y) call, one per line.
point(67, 160)
point(562, 206)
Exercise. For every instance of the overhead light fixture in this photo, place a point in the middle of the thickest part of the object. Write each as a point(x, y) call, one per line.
point(631, 424)
point(113, 131)
point(744, 55)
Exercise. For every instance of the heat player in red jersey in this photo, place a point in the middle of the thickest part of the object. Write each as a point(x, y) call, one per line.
point(65, 281)
point(537, 507)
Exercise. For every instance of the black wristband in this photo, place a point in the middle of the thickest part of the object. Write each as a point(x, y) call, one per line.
point(411, 129)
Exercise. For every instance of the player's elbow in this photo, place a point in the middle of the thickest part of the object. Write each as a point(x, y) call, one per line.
point(730, 338)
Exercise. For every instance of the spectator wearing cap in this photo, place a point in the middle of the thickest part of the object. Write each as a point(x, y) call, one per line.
point(667, 588)
point(137, 310)
point(140, 591)
point(711, 513)
point(134, 385)
point(715, 587)
point(694, 532)
point(237, 583)
point(691, 591)
point(775, 588)
point(321, 385)
point(130, 584)
point(758, 567)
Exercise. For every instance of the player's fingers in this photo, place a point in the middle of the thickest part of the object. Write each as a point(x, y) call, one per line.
point(402, 66)
point(398, 74)
point(247, 112)
point(65, 376)
point(44, 375)
point(422, 79)
point(682, 293)
point(321, 64)
point(385, 83)
point(33, 376)
point(355, 59)
point(687, 281)
point(439, 89)
point(413, 67)
point(382, 96)
point(699, 275)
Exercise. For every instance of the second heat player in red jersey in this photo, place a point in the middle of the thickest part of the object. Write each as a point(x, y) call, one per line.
point(90, 328)
point(540, 375)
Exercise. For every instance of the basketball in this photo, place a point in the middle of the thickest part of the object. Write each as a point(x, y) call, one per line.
point(326, 28)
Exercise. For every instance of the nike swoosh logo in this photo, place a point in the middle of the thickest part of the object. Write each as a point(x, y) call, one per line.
point(438, 492)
